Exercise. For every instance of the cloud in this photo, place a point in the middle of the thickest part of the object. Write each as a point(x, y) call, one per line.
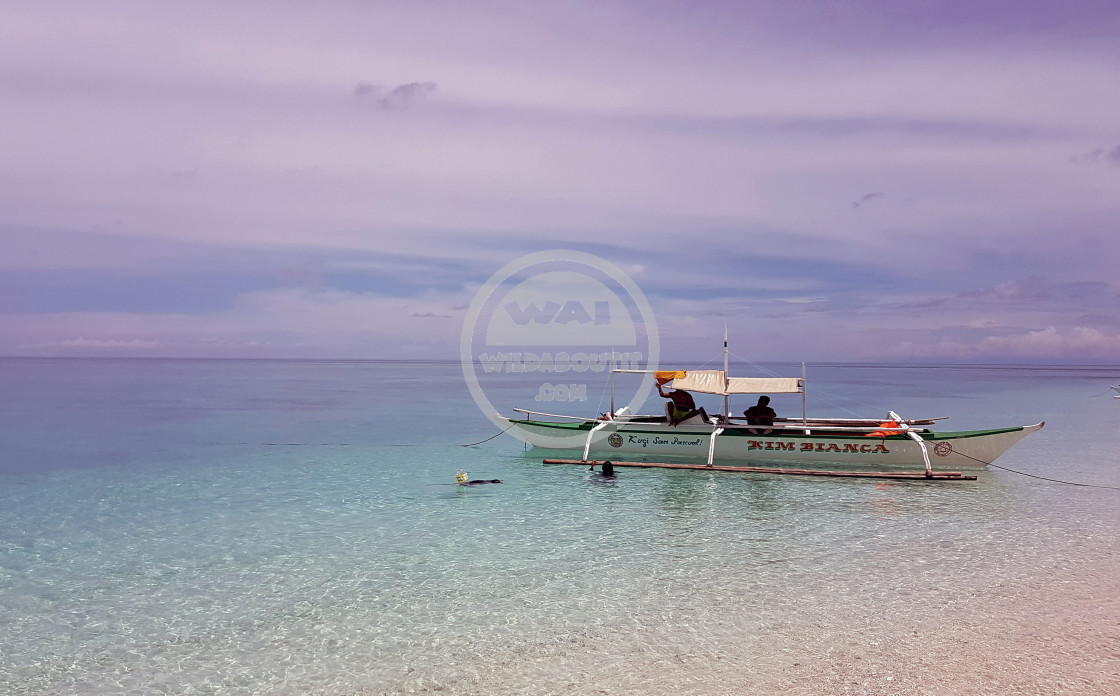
point(1046, 344)
point(163, 173)
point(1030, 289)
point(81, 342)
point(399, 97)
point(180, 176)
point(1050, 342)
point(284, 322)
point(1101, 155)
point(867, 197)
point(1041, 293)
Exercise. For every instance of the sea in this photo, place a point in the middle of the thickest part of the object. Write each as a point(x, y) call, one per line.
point(295, 527)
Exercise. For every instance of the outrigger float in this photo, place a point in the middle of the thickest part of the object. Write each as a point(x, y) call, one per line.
point(787, 446)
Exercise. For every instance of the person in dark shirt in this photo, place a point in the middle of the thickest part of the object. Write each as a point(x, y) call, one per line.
point(761, 413)
point(608, 475)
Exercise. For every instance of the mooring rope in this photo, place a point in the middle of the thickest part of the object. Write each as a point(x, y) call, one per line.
point(1051, 480)
point(489, 438)
point(1068, 483)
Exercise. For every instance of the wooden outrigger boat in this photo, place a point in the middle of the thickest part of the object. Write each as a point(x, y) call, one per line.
point(835, 442)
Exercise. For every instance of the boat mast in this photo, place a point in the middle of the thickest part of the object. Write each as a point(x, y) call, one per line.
point(804, 406)
point(612, 382)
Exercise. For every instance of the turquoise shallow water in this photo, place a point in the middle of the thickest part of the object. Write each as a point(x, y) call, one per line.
point(288, 527)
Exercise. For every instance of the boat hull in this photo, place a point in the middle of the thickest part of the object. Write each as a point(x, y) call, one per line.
point(789, 447)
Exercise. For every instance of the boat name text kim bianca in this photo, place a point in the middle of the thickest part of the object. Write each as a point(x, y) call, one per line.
point(865, 447)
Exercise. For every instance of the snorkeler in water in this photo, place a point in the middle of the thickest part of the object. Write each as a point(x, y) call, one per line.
point(607, 473)
point(461, 480)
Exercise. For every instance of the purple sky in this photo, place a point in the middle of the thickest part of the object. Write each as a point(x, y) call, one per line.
point(857, 180)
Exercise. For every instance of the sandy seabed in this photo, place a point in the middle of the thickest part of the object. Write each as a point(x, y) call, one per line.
point(1061, 636)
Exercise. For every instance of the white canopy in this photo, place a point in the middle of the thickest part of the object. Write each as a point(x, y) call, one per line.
point(716, 382)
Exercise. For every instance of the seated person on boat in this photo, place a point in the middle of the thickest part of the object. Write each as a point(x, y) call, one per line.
point(681, 406)
point(761, 413)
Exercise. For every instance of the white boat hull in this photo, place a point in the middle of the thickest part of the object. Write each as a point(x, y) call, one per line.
point(787, 447)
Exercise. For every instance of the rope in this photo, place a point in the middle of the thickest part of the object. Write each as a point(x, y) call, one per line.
point(489, 438)
point(1043, 478)
point(603, 395)
point(1068, 483)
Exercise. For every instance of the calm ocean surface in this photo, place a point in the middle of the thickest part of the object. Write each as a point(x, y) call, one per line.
point(244, 527)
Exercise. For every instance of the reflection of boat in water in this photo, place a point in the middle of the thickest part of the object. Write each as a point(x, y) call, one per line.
point(863, 442)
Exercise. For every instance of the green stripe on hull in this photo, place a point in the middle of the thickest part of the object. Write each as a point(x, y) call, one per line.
point(560, 426)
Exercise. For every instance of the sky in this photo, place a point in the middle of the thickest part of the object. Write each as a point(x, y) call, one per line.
point(865, 180)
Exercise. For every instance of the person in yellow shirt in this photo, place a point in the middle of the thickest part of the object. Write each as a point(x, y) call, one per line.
point(681, 406)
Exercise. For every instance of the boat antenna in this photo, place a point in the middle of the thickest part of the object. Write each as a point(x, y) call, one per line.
point(726, 379)
point(725, 350)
